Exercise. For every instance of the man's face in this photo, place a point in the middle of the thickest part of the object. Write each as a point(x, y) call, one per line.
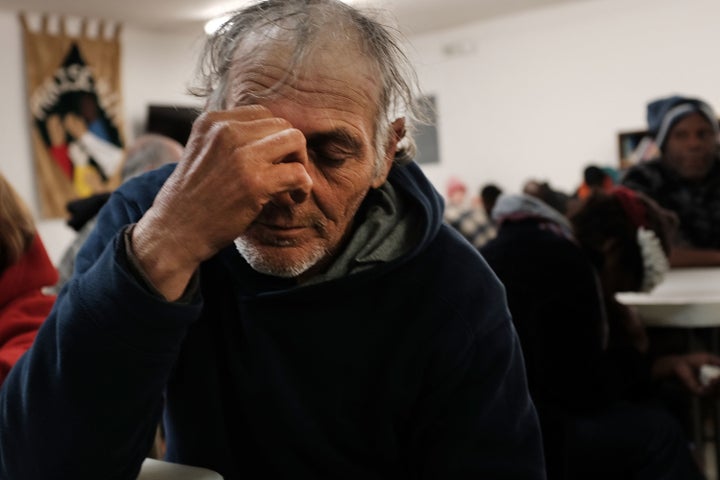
point(333, 103)
point(690, 147)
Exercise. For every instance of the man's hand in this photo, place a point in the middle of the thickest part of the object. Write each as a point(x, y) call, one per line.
point(686, 368)
point(235, 163)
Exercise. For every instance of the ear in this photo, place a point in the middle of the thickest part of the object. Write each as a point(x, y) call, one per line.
point(397, 133)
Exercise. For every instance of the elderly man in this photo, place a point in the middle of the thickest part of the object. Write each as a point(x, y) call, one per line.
point(287, 295)
point(686, 177)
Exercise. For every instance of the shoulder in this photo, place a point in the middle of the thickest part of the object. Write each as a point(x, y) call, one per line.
point(450, 254)
point(126, 205)
point(525, 254)
point(133, 198)
point(143, 188)
point(645, 176)
point(463, 287)
point(519, 236)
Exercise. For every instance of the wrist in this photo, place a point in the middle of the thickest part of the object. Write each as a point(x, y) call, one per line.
point(164, 261)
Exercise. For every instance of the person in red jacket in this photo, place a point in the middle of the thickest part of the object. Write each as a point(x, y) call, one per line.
point(25, 269)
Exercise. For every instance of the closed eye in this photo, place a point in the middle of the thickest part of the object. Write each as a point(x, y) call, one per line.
point(331, 157)
point(334, 148)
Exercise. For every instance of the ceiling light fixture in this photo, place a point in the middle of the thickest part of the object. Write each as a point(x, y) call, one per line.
point(212, 25)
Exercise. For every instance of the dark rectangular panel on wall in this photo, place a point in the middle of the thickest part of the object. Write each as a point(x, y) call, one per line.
point(426, 136)
point(173, 121)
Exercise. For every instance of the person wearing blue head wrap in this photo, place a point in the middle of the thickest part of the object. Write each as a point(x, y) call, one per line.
point(664, 113)
point(686, 177)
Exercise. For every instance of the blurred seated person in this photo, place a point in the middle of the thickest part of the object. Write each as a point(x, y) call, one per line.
point(489, 194)
point(686, 177)
point(590, 372)
point(456, 201)
point(469, 217)
point(595, 179)
point(550, 196)
point(147, 152)
point(24, 270)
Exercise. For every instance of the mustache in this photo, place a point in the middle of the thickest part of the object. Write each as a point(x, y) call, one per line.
point(282, 216)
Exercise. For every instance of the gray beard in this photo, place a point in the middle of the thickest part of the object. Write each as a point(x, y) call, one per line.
point(275, 267)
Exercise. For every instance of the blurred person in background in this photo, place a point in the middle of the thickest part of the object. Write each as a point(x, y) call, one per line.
point(591, 370)
point(25, 270)
point(471, 216)
point(686, 177)
point(595, 180)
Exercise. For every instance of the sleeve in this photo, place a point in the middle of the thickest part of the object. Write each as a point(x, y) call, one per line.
point(477, 419)
point(85, 400)
point(18, 325)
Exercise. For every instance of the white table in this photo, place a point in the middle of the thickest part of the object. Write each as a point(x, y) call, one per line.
point(157, 470)
point(688, 298)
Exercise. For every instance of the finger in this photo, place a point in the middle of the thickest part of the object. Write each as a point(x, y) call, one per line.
point(228, 138)
point(713, 359)
point(205, 121)
point(269, 129)
point(694, 359)
point(705, 358)
point(687, 377)
point(240, 148)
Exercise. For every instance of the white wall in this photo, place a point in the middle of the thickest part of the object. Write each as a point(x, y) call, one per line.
point(544, 93)
point(540, 94)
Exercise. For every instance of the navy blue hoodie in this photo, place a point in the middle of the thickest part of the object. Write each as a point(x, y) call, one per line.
point(409, 369)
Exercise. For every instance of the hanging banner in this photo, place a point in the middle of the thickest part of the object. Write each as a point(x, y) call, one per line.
point(73, 85)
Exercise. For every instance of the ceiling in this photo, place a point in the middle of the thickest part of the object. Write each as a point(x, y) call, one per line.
point(414, 16)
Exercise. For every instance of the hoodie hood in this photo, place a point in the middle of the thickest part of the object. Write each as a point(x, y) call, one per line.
point(520, 207)
point(395, 221)
point(410, 181)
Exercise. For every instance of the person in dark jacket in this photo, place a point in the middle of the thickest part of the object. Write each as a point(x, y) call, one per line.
point(590, 371)
point(686, 177)
point(286, 297)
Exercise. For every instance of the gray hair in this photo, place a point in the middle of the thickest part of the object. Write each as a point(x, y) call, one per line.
point(304, 22)
point(148, 152)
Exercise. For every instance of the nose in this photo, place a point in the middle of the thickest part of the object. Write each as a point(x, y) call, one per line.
point(290, 198)
point(299, 196)
point(302, 182)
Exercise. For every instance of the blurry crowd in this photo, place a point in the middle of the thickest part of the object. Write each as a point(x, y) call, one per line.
point(613, 396)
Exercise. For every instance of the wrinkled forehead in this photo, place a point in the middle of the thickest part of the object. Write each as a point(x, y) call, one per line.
point(273, 62)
